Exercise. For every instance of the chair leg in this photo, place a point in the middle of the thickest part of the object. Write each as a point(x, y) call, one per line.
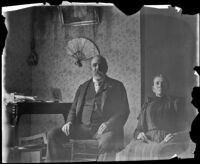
point(97, 157)
point(72, 152)
point(109, 156)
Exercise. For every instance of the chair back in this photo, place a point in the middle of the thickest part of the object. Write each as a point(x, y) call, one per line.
point(33, 148)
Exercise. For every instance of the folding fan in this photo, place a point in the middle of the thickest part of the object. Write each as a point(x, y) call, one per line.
point(81, 49)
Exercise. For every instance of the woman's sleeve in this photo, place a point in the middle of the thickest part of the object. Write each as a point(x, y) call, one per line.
point(141, 122)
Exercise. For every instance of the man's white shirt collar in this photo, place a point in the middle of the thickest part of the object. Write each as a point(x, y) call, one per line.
point(97, 82)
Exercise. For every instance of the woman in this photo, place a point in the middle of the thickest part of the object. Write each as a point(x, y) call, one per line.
point(161, 130)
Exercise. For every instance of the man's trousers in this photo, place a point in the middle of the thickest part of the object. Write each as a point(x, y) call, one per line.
point(56, 138)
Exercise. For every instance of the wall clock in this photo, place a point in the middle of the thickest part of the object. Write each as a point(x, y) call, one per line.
point(81, 49)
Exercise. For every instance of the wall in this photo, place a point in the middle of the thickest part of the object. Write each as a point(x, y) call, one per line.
point(117, 37)
point(17, 75)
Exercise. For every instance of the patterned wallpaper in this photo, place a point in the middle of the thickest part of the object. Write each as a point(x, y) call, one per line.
point(118, 39)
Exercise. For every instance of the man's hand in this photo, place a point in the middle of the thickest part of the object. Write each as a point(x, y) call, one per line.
point(168, 137)
point(142, 136)
point(102, 128)
point(66, 128)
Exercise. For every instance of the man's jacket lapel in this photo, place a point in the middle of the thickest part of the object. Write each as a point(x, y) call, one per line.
point(83, 90)
point(105, 90)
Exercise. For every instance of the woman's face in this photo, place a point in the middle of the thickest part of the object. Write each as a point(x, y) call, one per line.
point(159, 86)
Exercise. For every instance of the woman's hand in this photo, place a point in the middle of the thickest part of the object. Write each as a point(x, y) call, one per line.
point(142, 136)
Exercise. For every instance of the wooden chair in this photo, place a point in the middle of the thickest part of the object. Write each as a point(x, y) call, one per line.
point(86, 151)
point(82, 150)
point(32, 148)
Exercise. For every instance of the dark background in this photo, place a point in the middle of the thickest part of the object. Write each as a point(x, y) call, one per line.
point(168, 47)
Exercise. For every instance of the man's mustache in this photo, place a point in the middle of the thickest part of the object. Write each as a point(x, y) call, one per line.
point(99, 72)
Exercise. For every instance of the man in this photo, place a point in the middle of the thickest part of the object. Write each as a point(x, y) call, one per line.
point(99, 111)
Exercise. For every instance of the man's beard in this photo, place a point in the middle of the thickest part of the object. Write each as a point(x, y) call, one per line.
point(98, 75)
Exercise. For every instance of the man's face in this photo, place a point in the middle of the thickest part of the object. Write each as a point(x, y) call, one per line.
point(97, 68)
point(159, 86)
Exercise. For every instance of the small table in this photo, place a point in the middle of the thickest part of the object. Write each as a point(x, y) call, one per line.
point(14, 111)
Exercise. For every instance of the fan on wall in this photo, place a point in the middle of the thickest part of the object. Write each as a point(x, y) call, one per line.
point(81, 49)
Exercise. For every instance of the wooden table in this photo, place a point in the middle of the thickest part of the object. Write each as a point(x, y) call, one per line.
point(14, 111)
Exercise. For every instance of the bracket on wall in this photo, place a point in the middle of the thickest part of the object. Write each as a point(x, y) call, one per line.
point(32, 58)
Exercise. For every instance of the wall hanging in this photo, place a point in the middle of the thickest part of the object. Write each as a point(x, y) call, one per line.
point(81, 49)
point(80, 15)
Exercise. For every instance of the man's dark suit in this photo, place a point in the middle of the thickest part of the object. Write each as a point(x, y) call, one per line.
point(114, 103)
point(115, 111)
